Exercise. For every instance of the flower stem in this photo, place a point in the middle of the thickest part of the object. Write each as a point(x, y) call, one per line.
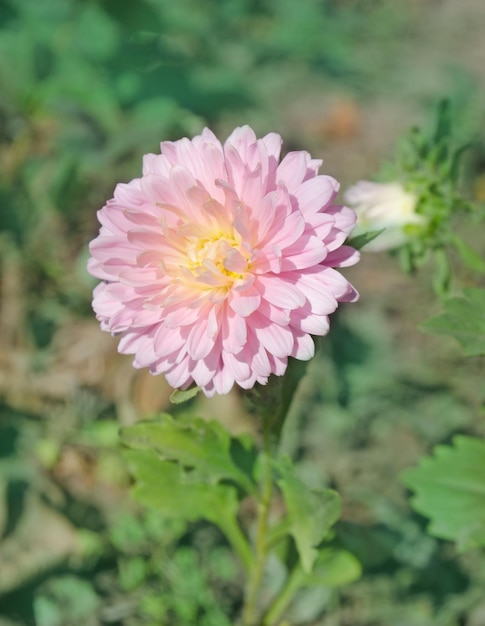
point(239, 543)
point(282, 600)
point(250, 609)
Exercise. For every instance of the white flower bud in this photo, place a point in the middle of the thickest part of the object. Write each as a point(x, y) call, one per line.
point(383, 206)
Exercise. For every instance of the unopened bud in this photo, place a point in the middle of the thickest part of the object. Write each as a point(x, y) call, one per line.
point(385, 206)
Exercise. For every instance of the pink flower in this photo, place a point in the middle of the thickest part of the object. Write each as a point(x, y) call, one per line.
point(217, 264)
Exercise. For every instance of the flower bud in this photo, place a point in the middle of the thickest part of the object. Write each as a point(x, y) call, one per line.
point(385, 206)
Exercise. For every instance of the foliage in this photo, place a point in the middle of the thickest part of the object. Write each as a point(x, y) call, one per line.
point(86, 87)
point(462, 319)
point(65, 600)
point(450, 489)
point(188, 469)
point(203, 448)
point(310, 513)
point(429, 165)
point(106, 560)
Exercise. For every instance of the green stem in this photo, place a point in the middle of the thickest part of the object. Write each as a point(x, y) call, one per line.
point(250, 609)
point(277, 534)
point(238, 542)
point(283, 599)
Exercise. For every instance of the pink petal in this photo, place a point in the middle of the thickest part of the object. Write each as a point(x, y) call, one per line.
point(311, 323)
point(304, 348)
point(179, 375)
point(129, 195)
point(320, 297)
point(156, 164)
point(238, 369)
point(235, 262)
point(281, 293)
point(316, 193)
point(167, 340)
point(277, 340)
point(292, 170)
point(308, 251)
point(342, 257)
point(223, 381)
point(145, 238)
point(234, 332)
point(244, 303)
point(199, 344)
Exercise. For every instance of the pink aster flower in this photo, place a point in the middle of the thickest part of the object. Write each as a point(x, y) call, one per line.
point(218, 263)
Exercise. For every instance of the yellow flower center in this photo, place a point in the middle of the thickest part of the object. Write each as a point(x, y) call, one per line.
point(218, 259)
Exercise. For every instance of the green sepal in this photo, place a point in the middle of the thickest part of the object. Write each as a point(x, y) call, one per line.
point(272, 402)
point(359, 241)
point(178, 396)
point(449, 488)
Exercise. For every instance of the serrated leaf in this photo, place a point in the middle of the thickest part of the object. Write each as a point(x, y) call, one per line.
point(450, 489)
point(333, 568)
point(311, 513)
point(463, 319)
point(165, 486)
point(204, 447)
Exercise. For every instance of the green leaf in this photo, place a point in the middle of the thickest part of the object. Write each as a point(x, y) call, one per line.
point(450, 489)
point(468, 255)
point(182, 395)
point(333, 568)
point(203, 447)
point(310, 512)
point(65, 600)
point(463, 319)
point(455, 161)
point(167, 487)
point(442, 273)
point(360, 241)
point(132, 571)
point(444, 122)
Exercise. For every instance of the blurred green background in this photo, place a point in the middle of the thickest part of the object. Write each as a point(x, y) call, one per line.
point(86, 88)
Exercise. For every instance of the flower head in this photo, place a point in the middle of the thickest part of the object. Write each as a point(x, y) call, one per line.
point(217, 264)
point(385, 206)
